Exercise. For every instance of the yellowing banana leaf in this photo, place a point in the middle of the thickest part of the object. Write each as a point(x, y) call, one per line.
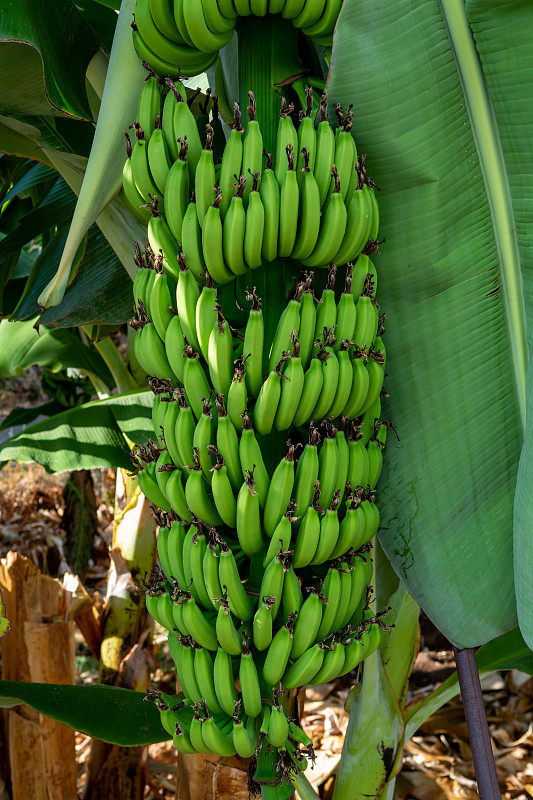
point(443, 101)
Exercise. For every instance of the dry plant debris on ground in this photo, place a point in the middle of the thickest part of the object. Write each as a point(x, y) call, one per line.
point(437, 761)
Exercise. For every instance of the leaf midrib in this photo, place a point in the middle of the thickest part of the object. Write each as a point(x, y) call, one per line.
point(486, 136)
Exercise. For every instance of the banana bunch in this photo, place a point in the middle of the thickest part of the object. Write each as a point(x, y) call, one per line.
point(264, 575)
point(184, 36)
point(264, 570)
point(313, 202)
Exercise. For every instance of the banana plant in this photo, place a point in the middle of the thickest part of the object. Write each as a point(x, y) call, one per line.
point(448, 150)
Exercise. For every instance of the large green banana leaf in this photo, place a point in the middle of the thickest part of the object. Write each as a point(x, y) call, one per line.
point(443, 100)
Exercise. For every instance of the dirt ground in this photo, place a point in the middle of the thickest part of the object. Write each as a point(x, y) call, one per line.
point(437, 761)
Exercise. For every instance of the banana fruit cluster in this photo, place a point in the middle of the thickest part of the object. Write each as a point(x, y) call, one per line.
point(184, 36)
point(311, 201)
point(264, 570)
point(299, 536)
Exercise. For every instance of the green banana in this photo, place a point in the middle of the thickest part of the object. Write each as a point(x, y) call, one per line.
point(332, 590)
point(270, 198)
point(233, 230)
point(306, 136)
point(306, 473)
point(192, 240)
point(313, 383)
point(328, 465)
point(255, 225)
point(177, 192)
point(133, 197)
point(288, 208)
point(161, 303)
point(288, 322)
point(197, 622)
point(310, 14)
point(358, 224)
point(158, 156)
point(140, 167)
point(205, 314)
point(222, 490)
point(291, 598)
point(227, 634)
point(308, 534)
point(330, 371)
point(326, 315)
point(212, 242)
point(202, 37)
point(300, 672)
point(325, 151)
point(376, 373)
point(248, 517)
point(224, 683)
point(345, 150)
point(220, 354)
point(278, 653)
point(309, 222)
point(286, 141)
point(329, 532)
point(249, 680)
point(239, 602)
point(332, 664)
point(291, 388)
point(198, 499)
point(307, 624)
point(162, 241)
point(262, 623)
point(332, 228)
point(252, 153)
point(195, 380)
point(237, 395)
point(231, 160)
point(185, 426)
point(345, 379)
point(203, 436)
point(149, 104)
point(251, 459)
point(267, 401)
point(205, 180)
point(279, 492)
point(360, 384)
point(281, 538)
point(278, 727)
point(273, 577)
point(306, 331)
point(228, 444)
point(184, 125)
point(253, 345)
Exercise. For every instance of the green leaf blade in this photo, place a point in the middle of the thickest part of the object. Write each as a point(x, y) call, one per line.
point(108, 713)
point(447, 491)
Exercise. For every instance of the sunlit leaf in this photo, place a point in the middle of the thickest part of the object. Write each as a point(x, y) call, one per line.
point(108, 713)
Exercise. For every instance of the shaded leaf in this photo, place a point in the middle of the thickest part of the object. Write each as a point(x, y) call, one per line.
point(25, 416)
point(454, 323)
point(35, 175)
point(108, 713)
point(22, 346)
point(64, 41)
